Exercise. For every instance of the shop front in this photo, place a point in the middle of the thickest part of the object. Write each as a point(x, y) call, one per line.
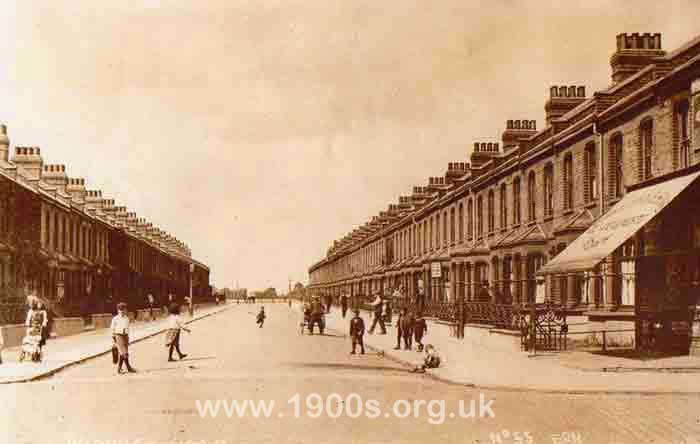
point(638, 266)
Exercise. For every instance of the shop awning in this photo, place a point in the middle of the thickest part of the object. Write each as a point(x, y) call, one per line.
point(616, 226)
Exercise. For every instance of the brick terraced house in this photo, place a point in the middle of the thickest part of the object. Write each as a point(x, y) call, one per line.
point(78, 251)
point(597, 215)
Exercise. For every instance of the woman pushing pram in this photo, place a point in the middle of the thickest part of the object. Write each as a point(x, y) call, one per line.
point(34, 340)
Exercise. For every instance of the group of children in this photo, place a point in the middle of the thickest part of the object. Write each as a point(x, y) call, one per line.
point(408, 329)
point(121, 325)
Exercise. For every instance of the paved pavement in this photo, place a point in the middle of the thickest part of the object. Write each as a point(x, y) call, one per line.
point(230, 358)
point(62, 352)
point(471, 363)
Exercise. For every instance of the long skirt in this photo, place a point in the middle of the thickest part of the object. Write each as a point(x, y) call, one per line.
point(122, 342)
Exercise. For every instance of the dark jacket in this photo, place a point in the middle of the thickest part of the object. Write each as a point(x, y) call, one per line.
point(406, 324)
point(357, 326)
point(484, 294)
point(317, 308)
point(420, 327)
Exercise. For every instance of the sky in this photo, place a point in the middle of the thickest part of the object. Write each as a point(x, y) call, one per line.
point(259, 131)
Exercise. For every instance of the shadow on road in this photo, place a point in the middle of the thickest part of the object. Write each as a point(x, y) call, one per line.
point(344, 366)
point(326, 335)
point(201, 358)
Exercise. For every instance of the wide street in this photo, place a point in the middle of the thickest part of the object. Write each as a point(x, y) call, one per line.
point(231, 359)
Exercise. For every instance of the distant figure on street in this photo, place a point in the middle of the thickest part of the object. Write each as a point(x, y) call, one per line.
point(190, 305)
point(407, 330)
point(120, 336)
point(484, 293)
point(420, 328)
point(377, 305)
point(261, 317)
point(316, 315)
point(344, 304)
point(289, 303)
point(172, 336)
point(357, 331)
point(399, 330)
point(150, 302)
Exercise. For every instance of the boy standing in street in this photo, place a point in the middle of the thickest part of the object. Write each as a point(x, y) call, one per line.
point(400, 328)
point(420, 328)
point(407, 330)
point(120, 335)
point(357, 331)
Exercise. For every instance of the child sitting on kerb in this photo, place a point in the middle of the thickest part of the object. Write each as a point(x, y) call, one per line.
point(432, 360)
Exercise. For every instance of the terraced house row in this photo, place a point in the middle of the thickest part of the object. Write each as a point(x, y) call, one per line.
point(597, 213)
point(77, 250)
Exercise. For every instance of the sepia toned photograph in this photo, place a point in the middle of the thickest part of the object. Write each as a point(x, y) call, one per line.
point(349, 221)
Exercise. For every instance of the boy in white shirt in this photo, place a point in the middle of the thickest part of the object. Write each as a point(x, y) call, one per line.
point(120, 335)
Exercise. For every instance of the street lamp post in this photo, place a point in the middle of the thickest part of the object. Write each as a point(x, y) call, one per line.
point(191, 300)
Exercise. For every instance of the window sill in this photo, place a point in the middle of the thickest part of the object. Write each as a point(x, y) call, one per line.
point(548, 218)
point(568, 211)
point(592, 204)
point(516, 226)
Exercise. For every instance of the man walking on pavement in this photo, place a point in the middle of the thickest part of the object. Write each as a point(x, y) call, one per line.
point(344, 304)
point(378, 305)
point(357, 331)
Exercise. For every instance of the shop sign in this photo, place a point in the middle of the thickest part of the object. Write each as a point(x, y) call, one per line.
point(435, 269)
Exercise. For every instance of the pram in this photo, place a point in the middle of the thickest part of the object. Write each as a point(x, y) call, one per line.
point(31, 345)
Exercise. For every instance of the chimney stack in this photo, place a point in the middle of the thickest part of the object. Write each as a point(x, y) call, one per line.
point(94, 199)
point(633, 53)
point(55, 175)
point(76, 187)
point(28, 159)
point(516, 132)
point(4, 144)
point(563, 99)
point(483, 152)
